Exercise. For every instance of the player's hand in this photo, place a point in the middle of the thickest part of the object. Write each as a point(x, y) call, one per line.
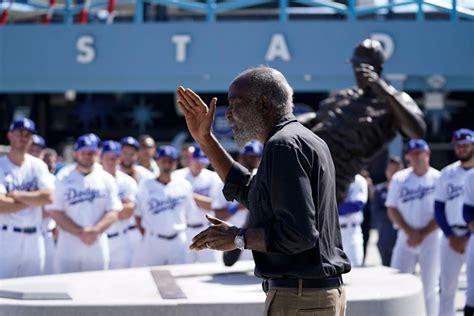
point(198, 115)
point(89, 235)
point(219, 236)
point(458, 243)
point(415, 237)
point(371, 79)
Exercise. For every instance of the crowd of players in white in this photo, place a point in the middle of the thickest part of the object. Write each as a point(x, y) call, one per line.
point(106, 211)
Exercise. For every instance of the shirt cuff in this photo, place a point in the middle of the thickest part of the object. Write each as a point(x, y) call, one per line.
point(237, 178)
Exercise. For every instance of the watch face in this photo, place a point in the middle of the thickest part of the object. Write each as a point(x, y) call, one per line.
point(239, 242)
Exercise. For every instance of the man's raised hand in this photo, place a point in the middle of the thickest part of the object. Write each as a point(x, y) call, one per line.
point(198, 115)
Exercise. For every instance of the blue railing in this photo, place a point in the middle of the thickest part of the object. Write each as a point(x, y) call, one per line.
point(211, 8)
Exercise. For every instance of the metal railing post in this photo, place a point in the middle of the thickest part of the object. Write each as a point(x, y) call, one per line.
point(68, 18)
point(211, 6)
point(454, 11)
point(420, 16)
point(283, 10)
point(351, 10)
point(138, 19)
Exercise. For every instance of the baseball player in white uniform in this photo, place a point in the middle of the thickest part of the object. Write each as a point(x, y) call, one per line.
point(24, 188)
point(120, 241)
point(163, 205)
point(146, 153)
point(233, 212)
point(448, 213)
point(351, 217)
point(86, 203)
point(204, 182)
point(48, 224)
point(129, 158)
point(410, 204)
point(468, 215)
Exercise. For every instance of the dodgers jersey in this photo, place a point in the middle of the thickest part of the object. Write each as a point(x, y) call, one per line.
point(164, 208)
point(449, 190)
point(205, 183)
point(413, 196)
point(127, 190)
point(357, 196)
point(32, 175)
point(86, 198)
point(469, 188)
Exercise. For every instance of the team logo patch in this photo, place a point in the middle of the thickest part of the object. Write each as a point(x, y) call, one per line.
point(454, 191)
point(420, 192)
point(156, 206)
point(74, 196)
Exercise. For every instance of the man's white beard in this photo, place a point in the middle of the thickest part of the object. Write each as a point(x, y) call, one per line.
point(251, 131)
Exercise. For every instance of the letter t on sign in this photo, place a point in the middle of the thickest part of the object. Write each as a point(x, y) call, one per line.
point(181, 41)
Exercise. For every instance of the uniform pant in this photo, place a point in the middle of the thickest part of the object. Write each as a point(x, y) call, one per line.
point(315, 302)
point(426, 254)
point(451, 263)
point(155, 251)
point(50, 249)
point(470, 272)
point(205, 255)
point(353, 244)
point(21, 254)
point(121, 251)
point(72, 255)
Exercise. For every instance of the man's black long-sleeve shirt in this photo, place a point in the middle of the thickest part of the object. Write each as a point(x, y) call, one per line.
point(293, 198)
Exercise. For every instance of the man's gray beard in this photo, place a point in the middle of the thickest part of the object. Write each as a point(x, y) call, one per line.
point(244, 134)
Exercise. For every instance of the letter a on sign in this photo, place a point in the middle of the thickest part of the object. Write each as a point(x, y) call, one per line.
point(278, 49)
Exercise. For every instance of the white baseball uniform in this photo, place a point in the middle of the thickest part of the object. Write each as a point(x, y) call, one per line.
point(237, 219)
point(351, 217)
point(22, 250)
point(469, 201)
point(47, 226)
point(85, 199)
point(164, 210)
point(449, 190)
point(413, 197)
point(204, 184)
point(119, 234)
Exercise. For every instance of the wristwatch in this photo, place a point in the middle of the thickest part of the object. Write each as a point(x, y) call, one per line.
point(239, 240)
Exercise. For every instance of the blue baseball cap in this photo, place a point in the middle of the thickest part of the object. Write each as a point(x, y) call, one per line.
point(130, 141)
point(94, 138)
point(463, 136)
point(199, 155)
point(38, 140)
point(23, 123)
point(417, 144)
point(111, 147)
point(167, 151)
point(252, 148)
point(86, 142)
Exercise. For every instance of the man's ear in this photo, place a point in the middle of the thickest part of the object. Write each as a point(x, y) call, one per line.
point(264, 106)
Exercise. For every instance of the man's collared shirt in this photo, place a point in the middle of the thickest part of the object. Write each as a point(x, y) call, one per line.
point(293, 198)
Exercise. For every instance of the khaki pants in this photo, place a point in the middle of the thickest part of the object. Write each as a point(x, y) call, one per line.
point(309, 302)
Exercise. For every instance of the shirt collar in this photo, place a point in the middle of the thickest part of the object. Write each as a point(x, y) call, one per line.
point(283, 121)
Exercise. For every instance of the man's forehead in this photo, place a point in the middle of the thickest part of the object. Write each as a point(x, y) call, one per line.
point(238, 89)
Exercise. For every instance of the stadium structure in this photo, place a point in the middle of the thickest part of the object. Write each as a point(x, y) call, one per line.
point(112, 67)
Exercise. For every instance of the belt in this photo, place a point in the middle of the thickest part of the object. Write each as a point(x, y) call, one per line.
point(195, 225)
point(116, 234)
point(132, 227)
point(25, 230)
point(349, 225)
point(167, 237)
point(329, 282)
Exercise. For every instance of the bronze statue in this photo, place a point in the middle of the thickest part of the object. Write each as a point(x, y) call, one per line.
point(359, 122)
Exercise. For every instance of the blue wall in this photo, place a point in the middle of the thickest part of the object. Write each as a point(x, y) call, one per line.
point(129, 58)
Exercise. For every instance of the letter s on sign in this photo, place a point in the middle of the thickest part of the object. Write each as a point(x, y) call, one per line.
point(86, 50)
